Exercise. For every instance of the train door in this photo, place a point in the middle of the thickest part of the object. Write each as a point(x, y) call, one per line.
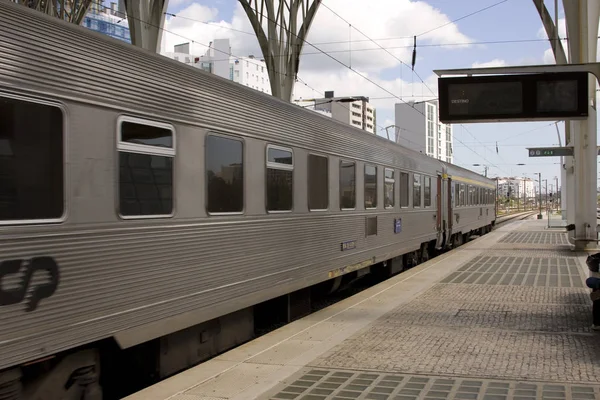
point(450, 198)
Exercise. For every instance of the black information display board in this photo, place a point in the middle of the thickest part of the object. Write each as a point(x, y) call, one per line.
point(530, 97)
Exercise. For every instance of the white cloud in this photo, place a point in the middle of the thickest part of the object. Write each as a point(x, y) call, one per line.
point(392, 23)
point(494, 63)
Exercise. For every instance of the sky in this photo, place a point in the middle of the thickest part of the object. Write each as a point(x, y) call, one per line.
point(450, 34)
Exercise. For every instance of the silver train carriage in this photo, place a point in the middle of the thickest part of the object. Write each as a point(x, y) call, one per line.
point(141, 197)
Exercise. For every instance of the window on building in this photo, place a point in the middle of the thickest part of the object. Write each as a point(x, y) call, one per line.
point(280, 168)
point(389, 186)
point(31, 161)
point(347, 185)
point(318, 182)
point(146, 152)
point(427, 191)
point(224, 174)
point(257, 67)
point(416, 190)
point(237, 74)
point(403, 189)
point(262, 69)
point(370, 186)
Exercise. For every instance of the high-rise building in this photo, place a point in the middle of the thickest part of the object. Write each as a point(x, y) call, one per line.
point(110, 21)
point(351, 110)
point(420, 129)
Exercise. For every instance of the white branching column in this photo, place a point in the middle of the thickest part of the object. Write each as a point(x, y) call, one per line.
point(69, 10)
point(146, 19)
point(281, 43)
point(567, 190)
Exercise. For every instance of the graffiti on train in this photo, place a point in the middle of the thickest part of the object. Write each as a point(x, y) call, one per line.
point(15, 295)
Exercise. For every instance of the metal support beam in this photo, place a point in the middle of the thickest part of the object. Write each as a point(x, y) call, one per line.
point(146, 19)
point(68, 10)
point(282, 42)
point(582, 26)
point(560, 56)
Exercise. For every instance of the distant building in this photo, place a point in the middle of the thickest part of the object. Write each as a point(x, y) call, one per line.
point(110, 21)
point(351, 110)
point(252, 72)
point(513, 187)
point(421, 129)
point(248, 71)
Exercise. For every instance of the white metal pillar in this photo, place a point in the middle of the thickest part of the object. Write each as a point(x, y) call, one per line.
point(582, 18)
point(551, 28)
point(281, 28)
point(146, 19)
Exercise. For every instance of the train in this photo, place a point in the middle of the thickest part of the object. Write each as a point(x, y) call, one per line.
point(151, 213)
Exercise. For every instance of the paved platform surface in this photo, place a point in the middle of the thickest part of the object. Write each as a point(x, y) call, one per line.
point(506, 316)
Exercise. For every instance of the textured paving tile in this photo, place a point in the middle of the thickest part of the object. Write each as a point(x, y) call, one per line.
point(399, 386)
point(525, 271)
point(553, 238)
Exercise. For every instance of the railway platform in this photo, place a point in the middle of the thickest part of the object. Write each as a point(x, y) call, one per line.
point(505, 316)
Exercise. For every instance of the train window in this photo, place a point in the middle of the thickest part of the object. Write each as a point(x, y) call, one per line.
point(146, 152)
point(149, 135)
point(427, 191)
point(416, 190)
point(388, 201)
point(469, 195)
point(280, 167)
point(403, 189)
point(463, 200)
point(456, 195)
point(347, 185)
point(318, 182)
point(31, 161)
point(370, 186)
point(224, 174)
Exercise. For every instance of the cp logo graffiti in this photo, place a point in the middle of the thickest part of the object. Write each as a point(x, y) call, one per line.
point(38, 292)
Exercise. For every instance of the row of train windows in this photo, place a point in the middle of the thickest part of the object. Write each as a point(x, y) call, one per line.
point(224, 159)
point(469, 195)
point(32, 183)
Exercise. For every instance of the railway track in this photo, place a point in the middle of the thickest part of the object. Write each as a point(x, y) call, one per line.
point(513, 217)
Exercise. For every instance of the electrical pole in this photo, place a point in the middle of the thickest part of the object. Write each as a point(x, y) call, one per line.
point(546, 188)
point(540, 181)
point(556, 192)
